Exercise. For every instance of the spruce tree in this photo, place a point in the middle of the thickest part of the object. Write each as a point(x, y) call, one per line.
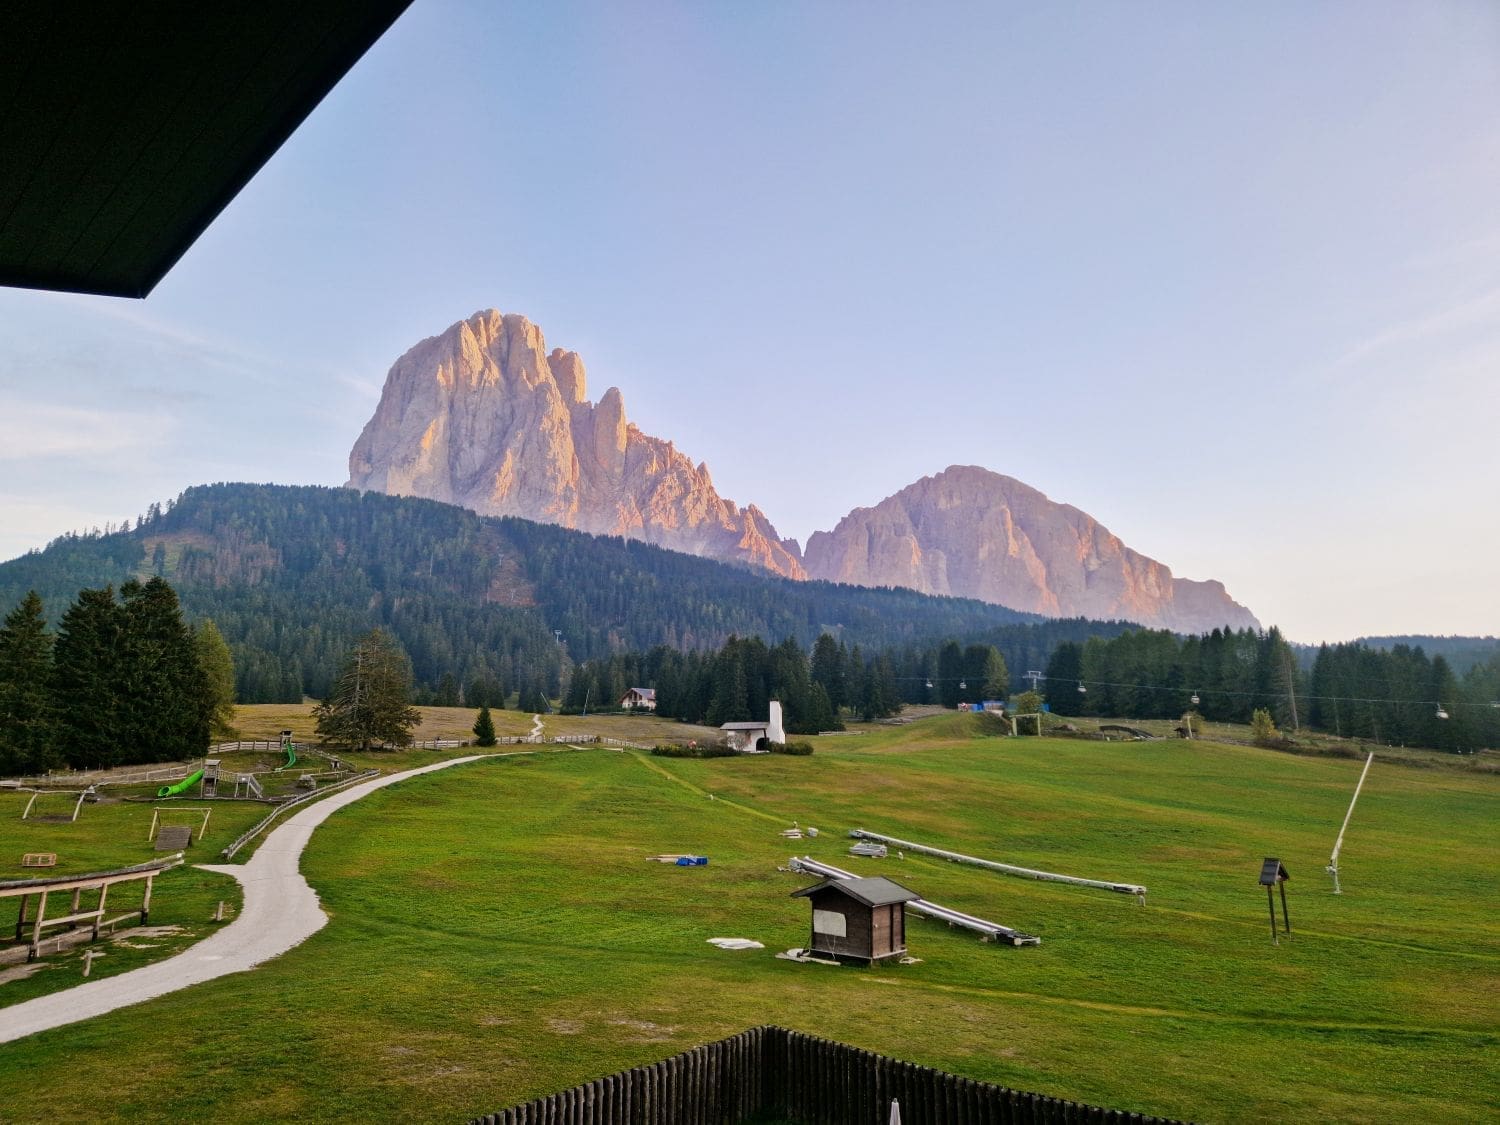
point(166, 709)
point(368, 704)
point(87, 687)
point(828, 669)
point(26, 718)
point(484, 728)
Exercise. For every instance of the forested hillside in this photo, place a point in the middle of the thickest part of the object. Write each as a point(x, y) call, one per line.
point(292, 575)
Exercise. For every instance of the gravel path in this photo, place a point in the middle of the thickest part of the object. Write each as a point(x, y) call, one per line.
point(280, 911)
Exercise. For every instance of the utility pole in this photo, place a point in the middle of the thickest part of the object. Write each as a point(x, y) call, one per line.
point(1034, 677)
point(1291, 688)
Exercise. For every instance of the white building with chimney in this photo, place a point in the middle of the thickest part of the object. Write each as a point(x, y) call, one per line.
point(744, 737)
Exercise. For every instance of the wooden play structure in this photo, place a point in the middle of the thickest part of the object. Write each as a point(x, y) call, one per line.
point(159, 826)
point(101, 881)
point(78, 804)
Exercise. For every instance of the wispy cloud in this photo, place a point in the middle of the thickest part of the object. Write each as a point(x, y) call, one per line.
point(172, 338)
point(31, 430)
point(1429, 329)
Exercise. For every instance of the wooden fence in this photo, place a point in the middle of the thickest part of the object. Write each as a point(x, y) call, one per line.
point(786, 1075)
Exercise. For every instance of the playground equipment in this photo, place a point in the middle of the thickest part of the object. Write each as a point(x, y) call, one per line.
point(182, 786)
point(157, 821)
point(78, 804)
point(39, 859)
point(987, 931)
point(251, 786)
point(1333, 861)
point(101, 881)
point(1003, 868)
point(290, 749)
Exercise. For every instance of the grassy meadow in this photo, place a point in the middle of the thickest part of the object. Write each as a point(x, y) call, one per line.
point(497, 933)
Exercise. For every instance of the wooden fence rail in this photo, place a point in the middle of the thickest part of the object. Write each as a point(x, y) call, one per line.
point(796, 1077)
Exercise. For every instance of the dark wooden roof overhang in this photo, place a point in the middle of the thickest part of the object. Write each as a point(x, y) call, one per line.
point(126, 127)
point(873, 891)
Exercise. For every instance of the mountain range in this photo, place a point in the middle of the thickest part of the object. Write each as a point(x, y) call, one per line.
point(484, 416)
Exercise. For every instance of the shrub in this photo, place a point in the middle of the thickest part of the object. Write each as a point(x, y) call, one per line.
point(704, 750)
point(799, 749)
point(1263, 730)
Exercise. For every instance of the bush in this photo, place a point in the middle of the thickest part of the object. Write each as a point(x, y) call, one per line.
point(703, 750)
point(1263, 730)
point(799, 749)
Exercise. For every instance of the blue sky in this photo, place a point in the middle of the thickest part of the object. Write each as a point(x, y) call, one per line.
point(1226, 277)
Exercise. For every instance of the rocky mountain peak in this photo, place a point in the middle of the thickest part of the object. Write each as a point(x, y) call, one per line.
point(974, 533)
point(484, 416)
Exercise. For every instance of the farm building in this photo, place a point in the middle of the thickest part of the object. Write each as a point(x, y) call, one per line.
point(860, 919)
point(745, 736)
point(639, 699)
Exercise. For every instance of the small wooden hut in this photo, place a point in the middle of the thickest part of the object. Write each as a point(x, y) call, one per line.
point(858, 919)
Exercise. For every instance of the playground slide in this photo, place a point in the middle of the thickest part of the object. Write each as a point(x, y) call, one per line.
point(181, 787)
point(291, 758)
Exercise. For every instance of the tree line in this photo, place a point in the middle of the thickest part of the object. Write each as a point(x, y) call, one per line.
point(124, 680)
point(816, 688)
point(1396, 696)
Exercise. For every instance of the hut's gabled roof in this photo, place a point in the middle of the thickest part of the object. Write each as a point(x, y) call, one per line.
point(873, 891)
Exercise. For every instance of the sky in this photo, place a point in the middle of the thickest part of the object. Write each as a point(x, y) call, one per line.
point(1226, 277)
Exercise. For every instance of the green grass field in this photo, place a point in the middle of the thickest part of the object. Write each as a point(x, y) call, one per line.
point(496, 934)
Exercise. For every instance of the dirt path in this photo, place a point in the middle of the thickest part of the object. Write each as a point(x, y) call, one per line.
point(536, 727)
point(280, 911)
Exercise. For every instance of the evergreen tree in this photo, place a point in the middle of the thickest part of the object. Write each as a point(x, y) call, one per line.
point(166, 710)
point(1064, 675)
point(26, 726)
point(995, 681)
point(484, 728)
point(217, 664)
point(950, 674)
point(369, 701)
point(828, 669)
point(86, 682)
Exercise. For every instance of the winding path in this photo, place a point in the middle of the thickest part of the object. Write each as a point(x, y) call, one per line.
point(280, 911)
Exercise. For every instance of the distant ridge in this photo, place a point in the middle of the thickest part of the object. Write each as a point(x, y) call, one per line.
point(973, 533)
point(484, 416)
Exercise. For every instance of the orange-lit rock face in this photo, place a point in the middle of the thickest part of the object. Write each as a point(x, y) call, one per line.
point(484, 416)
point(976, 534)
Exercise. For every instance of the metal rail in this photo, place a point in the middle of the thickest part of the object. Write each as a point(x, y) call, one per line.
point(987, 931)
point(1333, 860)
point(1004, 868)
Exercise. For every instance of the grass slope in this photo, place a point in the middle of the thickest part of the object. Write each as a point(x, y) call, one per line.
point(496, 934)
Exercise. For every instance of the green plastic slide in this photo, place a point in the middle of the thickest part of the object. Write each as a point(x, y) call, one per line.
point(291, 758)
point(181, 787)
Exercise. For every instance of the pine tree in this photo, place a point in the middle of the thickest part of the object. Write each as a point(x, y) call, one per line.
point(26, 719)
point(828, 669)
point(166, 709)
point(369, 701)
point(950, 673)
point(484, 728)
point(86, 680)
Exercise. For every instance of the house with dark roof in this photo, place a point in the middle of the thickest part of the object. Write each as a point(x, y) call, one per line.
point(639, 699)
point(858, 919)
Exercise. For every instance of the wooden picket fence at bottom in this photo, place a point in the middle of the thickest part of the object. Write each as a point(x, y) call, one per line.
point(770, 1072)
